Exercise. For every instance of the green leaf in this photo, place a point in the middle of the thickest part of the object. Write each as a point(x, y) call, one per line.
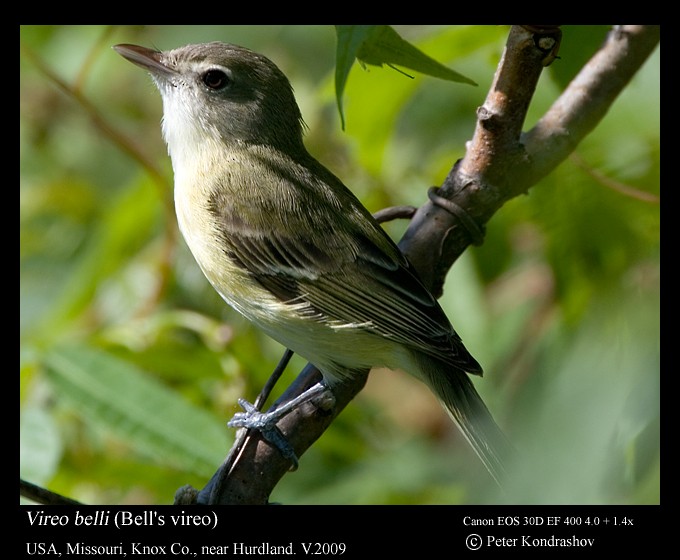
point(40, 445)
point(130, 220)
point(120, 398)
point(385, 46)
point(377, 45)
point(350, 39)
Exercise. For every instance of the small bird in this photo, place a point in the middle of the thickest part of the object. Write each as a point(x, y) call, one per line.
point(288, 245)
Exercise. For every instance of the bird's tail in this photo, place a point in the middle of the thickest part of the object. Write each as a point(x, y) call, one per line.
point(457, 393)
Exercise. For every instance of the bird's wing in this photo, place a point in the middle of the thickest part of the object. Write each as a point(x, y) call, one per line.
point(354, 275)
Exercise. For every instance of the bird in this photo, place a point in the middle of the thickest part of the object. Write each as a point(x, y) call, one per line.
point(289, 246)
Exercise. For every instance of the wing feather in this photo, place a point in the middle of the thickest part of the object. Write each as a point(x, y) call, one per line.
point(354, 275)
point(365, 289)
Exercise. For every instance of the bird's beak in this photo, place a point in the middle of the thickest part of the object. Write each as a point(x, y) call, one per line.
point(146, 58)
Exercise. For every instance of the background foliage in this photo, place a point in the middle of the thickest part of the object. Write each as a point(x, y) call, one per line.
point(131, 364)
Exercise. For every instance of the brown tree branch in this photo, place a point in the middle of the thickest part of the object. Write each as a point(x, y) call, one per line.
point(587, 99)
point(500, 163)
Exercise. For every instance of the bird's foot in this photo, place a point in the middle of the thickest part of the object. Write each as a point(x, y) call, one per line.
point(265, 422)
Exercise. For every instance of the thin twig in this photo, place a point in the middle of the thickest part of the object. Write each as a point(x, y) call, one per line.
point(613, 184)
point(41, 495)
point(394, 213)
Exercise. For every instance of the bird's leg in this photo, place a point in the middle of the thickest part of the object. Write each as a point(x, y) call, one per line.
point(265, 422)
point(273, 378)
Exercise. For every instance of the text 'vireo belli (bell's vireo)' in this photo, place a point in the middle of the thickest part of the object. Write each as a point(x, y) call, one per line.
point(286, 244)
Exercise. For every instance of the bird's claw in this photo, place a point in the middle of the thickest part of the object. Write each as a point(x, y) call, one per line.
point(265, 423)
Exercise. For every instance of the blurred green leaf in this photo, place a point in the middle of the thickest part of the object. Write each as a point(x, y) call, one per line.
point(118, 397)
point(579, 44)
point(40, 445)
point(362, 483)
point(122, 230)
point(592, 418)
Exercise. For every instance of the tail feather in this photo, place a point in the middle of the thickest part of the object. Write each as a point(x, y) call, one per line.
point(458, 395)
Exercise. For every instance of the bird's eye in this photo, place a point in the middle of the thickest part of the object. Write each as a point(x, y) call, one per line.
point(216, 79)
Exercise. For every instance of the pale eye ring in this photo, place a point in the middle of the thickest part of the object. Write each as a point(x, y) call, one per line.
point(216, 79)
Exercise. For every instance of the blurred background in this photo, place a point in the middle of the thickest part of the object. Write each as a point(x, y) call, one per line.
point(130, 364)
